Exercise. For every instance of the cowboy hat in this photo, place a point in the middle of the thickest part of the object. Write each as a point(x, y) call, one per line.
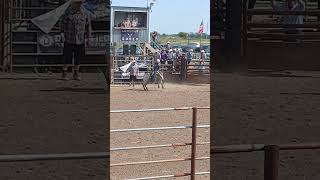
point(158, 60)
point(202, 51)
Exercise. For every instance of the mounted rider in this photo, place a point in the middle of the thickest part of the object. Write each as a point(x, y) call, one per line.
point(156, 68)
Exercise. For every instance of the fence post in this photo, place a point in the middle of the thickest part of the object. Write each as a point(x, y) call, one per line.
point(271, 162)
point(183, 68)
point(194, 143)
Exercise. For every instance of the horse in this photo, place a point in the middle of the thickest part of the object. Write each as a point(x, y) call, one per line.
point(158, 79)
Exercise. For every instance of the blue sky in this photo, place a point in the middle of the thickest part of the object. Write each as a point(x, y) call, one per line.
point(173, 16)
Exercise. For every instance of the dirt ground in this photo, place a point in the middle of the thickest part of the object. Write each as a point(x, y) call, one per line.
point(174, 95)
point(46, 115)
point(42, 114)
point(266, 108)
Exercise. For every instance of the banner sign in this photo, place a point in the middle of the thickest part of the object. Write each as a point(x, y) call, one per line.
point(52, 43)
point(98, 43)
point(129, 35)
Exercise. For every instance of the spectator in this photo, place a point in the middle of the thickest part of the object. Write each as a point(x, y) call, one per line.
point(157, 55)
point(164, 57)
point(127, 23)
point(170, 56)
point(177, 54)
point(168, 46)
point(135, 23)
point(154, 38)
point(189, 55)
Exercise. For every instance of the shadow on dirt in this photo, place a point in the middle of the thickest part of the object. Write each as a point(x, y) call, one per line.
point(78, 90)
point(294, 94)
point(285, 74)
point(30, 79)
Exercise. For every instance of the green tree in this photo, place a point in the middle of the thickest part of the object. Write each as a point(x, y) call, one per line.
point(183, 35)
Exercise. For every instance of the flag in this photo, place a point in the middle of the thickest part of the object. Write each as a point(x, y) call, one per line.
point(125, 67)
point(46, 21)
point(201, 28)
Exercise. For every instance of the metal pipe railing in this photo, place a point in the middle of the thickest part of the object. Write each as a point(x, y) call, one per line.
point(259, 147)
point(170, 176)
point(158, 161)
point(151, 110)
point(157, 146)
point(193, 144)
point(271, 154)
point(157, 129)
point(50, 157)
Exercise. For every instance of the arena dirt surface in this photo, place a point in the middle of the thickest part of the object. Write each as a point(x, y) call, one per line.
point(278, 107)
point(174, 95)
point(266, 108)
point(42, 114)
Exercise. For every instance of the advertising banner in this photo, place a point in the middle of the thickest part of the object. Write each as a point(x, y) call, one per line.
point(129, 35)
point(52, 43)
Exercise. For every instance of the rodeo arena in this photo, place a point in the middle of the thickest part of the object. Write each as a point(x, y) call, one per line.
point(266, 84)
point(162, 133)
point(156, 130)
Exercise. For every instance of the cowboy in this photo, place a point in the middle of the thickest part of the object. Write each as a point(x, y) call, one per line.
point(170, 57)
point(156, 68)
point(290, 5)
point(76, 29)
point(168, 46)
point(134, 71)
point(202, 60)
point(189, 55)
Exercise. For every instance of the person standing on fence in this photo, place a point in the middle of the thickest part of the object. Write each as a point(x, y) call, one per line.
point(189, 55)
point(290, 5)
point(170, 57)
point(157, 55)
point(202, 60)
point(76, 28)
point(168, 46)
point(164, 57)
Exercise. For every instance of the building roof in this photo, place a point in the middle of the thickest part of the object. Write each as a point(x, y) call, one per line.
point(128, 8)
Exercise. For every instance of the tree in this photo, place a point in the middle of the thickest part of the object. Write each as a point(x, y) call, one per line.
point(183, 35)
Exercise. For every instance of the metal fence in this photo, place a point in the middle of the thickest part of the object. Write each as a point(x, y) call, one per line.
point(271, 154)
point(106, 155)
point(193, 144)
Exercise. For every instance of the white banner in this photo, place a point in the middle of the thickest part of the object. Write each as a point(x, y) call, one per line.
point(125, 67)
point(47, 21)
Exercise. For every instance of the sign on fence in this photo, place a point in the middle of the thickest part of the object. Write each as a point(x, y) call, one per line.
point(52, 43)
